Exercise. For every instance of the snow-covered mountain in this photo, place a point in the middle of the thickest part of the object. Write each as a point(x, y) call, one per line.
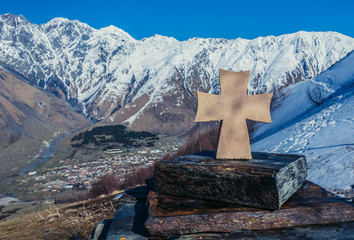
point(316, 120)
point(151, 84)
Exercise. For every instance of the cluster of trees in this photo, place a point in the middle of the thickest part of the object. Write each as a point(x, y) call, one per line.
point(114, 134)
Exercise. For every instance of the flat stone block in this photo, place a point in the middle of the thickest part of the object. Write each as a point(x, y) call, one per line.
point(266, 181)
point(173, 215)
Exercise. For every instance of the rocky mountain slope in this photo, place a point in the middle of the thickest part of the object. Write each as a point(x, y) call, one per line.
point(29, 119)
point(316, 120)
point(150, 84)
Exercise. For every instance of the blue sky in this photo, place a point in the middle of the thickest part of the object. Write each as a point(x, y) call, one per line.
point(185, 19)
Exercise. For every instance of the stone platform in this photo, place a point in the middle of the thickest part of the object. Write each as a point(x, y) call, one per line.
point(265, 181)
point(172, 215)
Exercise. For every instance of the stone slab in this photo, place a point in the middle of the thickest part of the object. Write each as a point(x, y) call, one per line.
point(130, 216)
point(323, 231)
point(173, 215)
point(266, 181)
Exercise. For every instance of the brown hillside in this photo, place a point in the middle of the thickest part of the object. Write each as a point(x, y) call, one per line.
point(28, 117)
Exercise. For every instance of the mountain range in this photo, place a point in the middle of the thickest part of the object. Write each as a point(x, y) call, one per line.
point(151, 83)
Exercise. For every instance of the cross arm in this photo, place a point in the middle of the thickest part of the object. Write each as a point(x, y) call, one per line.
point(258, 107)
point(208, 107)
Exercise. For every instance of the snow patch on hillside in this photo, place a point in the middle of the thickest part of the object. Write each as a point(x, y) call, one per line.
point(316, 120)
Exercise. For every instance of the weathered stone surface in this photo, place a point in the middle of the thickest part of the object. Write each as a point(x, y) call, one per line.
point(125, 226)
point(324, 232)
point(266, 181)
point(172, 215)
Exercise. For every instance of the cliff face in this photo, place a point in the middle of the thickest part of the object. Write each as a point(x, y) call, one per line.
point(150, 84)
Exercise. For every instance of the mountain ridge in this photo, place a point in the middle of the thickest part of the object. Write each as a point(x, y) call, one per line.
point(150, 84)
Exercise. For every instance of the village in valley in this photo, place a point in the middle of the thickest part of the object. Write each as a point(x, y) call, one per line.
point(81, 174)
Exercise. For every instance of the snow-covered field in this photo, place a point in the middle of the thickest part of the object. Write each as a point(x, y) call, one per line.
point(323, 132)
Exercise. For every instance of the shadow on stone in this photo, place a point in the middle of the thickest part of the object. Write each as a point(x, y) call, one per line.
point(100, 230)
point(141, 211)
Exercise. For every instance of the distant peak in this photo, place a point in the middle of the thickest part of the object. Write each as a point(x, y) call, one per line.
point(113, 29)
point(313, 34)
point(158, 37)
point(64, 21)
point(59, 20)
point(116, 31)
point(11, 18)
point(8, 15)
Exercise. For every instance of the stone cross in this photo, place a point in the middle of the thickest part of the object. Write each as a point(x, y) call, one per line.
point(233, 107)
